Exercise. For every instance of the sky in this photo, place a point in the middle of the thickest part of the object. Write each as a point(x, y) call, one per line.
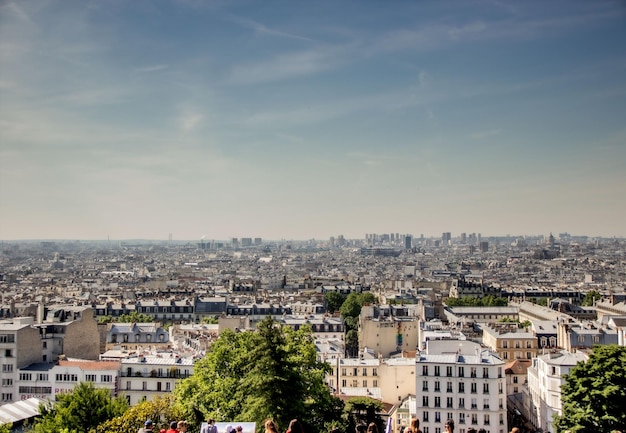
point(309, 119)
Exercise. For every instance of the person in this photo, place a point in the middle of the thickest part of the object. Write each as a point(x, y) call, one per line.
point(182, 426)
point(295, 427)
point(209, 427)
point(471, 430)
point(270, 426)
point(228, 429)
point(482, 430)
point(449, 426)
point(514, 430)
point(372, 428)
point(239, 429)
point(147, 427)
point(173, 427)
point(415, 425)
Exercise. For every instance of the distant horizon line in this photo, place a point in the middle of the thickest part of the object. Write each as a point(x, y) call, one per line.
point(284, 239)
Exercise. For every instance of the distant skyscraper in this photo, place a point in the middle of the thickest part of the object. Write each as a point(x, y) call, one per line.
point(463, 238)
point(446, 237)
point(407, 242)
point(258, 241)
point(484, 246)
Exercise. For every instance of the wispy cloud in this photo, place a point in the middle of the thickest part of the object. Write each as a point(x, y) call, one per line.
point(294, 64)
point(262, 29)
point(152, 68)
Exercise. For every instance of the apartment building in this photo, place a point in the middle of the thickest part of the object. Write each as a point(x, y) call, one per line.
point(545, 378)
point(20, 346)
point(146, 376)
point(47, 380)
point(136, 336)
point(389, 329)
point(461, 381)
point(509, 341)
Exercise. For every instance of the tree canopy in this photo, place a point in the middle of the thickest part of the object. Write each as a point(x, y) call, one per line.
point(161, 410)
point(594, 393)
point(334, 301)
point(350, 310)
point(470, 301)
point(272, 372)
point(80, 411)
point(590, 298)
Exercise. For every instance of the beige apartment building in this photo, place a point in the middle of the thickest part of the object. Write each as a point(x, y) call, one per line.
point(510, 341)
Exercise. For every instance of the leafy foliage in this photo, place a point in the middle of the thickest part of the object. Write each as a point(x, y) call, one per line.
point(469, 301)
point(334, 301)
point(80, 411)
point(270, 373)
point(363, 410)
point(127, 318)
point(591, 297)
point(161, 410)
point(594, 392)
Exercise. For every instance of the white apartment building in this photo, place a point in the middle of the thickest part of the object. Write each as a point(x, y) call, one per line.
point(545, 378)
point(461, 381)
point(20, 346)
point(146, 376)
point(47, 380)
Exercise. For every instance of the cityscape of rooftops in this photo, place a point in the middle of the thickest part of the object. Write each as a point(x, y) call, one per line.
point(358, 212)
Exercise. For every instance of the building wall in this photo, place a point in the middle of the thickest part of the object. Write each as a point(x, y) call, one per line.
point(388, 336)
point(82, 339)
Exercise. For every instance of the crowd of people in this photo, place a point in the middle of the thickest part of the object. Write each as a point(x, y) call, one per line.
point(295, 427)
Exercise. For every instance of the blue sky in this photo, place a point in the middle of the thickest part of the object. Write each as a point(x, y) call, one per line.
point(308, 119)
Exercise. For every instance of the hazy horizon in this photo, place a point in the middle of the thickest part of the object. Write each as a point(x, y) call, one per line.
point(304, 120)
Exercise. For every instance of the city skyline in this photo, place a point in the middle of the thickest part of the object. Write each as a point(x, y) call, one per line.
point(133, 120)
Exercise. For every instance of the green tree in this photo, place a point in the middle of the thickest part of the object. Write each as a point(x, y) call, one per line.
point(594, 392)
point(334, 300)
point(590, 298)
point(363, 410)
point(272, 372)
point(161, 410)
point(6, 428)
point(80, 411)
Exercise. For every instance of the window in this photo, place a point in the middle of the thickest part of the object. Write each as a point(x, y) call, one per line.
point(517, 345)
point(425, 400)
point(106, 378)
point(462, 418)
point(343, 372)
point(7, 382)
point(485, 373)
point(501, 419)
point(365, 384)
point(528, 344)
point(461, 387)
point(505, 344)
point(474, 419)
point(437, 401)
point(144, 385)
point(461, 372)
point(424, 370)
point(514, 379)
point(355, 383)
point(473, 388)
point(374, 372)
point(66, 377)
point(355, 372)
point(424, 385)
point(42, 376)
point(437, 386)
point(35, 390)
point(148, 337)
point(499, 372)
point(7, 396)
point(7, 368)
point(486, 403)
point(474, 404)
point(158, 386)
point(449, 371)
point(425, 416)
point(505, 355)
point(500, 404)
point(25, 376)
point(485, 388)
point(128, 384)
point(529, 355)
point(168, 386)
point(500, 388)
point(90, 377)
point(436, 370)
point(8, 353)
point(7, 338)
point(449, 387)
point(486, 420)
point(473, 371)
point(449, 402)
point(344, 383)
point(544, 341)
point(462, 403)
point(437, 416)
point(375, 383)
